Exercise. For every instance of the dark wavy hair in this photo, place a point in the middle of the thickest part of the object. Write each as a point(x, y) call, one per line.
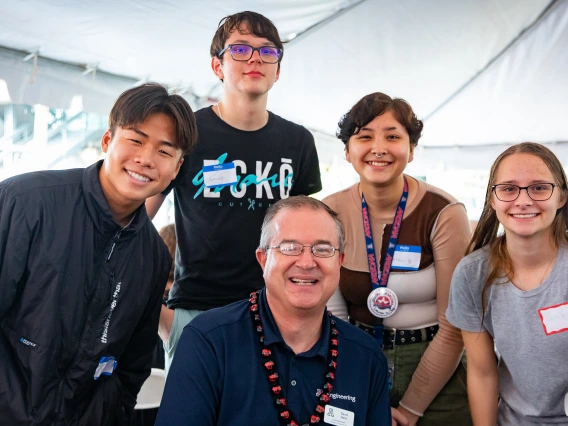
point(245, 23)
point(373, 105)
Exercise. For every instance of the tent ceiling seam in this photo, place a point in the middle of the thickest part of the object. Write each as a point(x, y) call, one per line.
point(524, 31)
point(83, 68)
point(302, 33)
point(325, 21)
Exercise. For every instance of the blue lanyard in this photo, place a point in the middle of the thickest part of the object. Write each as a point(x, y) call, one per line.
point(371, 257)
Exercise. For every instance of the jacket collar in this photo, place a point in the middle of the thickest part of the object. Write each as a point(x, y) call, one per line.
point(98, 207)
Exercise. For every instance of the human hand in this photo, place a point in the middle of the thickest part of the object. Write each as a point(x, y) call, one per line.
point(410, 417)
point(398, 418)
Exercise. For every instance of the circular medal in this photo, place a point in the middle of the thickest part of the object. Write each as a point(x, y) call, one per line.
point(382, 302)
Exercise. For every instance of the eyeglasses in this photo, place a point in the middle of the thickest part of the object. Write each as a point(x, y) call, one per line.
point(296, 249)
point(536, 192)
point(243, 52)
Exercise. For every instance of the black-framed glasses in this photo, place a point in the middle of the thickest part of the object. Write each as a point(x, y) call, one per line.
point(536, 192)
point(243, 52)
point(296, 249)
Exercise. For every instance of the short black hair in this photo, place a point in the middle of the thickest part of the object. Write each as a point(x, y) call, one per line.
point(135, 105)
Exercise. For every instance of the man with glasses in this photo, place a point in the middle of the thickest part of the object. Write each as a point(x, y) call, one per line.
point(280, 357)
point(247, 158)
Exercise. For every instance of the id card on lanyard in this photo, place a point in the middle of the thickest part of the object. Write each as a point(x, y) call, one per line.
point(382, 301)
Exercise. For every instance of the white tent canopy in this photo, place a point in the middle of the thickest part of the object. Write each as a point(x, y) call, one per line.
point(480, 72)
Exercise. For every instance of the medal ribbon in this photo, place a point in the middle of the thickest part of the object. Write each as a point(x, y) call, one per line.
point(371, 257)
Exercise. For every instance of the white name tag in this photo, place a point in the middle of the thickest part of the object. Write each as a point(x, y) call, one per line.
point(338, 416)
point(406, 257)
point(554, 318)
point(218, 175)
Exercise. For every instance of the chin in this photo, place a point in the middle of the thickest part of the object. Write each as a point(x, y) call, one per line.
point(136, 196)
point(304, 303)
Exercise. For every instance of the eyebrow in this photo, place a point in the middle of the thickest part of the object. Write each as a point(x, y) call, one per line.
point(144, 135)
point(386, 129)
point(268, 43)
point(515, 182)
point(313, 244)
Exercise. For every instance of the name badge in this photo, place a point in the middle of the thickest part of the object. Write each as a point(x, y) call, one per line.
point(106, 366)
point(218, 175)
point(406, 257)
point(554, 318)
point(338, 416)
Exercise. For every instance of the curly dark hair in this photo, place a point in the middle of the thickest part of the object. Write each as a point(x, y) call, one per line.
point(373, 105)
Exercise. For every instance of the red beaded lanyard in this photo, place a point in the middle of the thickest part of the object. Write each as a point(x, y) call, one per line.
point(280, 400)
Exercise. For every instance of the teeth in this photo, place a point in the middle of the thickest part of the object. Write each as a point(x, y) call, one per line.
point(302, 282)
point(524, 216)
point(138, 177)
point(376, 163)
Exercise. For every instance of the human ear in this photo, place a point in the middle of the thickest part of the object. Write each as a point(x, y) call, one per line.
point(105, 141)
point(261, 257)
point(217, 68)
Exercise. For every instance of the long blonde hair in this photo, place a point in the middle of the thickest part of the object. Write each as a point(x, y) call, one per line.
point(486, 231)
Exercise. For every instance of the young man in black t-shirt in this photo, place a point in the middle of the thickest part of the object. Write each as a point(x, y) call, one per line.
point(259, 157)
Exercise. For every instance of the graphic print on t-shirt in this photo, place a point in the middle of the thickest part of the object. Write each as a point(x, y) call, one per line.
point(263, 179)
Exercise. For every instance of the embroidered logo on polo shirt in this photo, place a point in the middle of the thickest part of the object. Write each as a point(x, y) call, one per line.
point(338, 396)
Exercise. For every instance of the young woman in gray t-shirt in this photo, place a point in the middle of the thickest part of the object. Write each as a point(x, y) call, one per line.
point(511, 293)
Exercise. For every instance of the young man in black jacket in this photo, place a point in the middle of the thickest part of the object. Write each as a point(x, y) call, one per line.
point(82, 270)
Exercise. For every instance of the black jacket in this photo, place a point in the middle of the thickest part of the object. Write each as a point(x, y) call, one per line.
point(74, 287)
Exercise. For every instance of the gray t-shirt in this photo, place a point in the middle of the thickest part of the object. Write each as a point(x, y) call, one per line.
point(533, 368)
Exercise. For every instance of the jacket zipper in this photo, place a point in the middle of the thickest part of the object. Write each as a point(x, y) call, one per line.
point(76, 348)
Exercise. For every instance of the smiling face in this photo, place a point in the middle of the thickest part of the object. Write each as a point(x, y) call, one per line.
point(252, 77)
point(301, 283)
point(142, 159)
point(383, 135)
point(525, 218)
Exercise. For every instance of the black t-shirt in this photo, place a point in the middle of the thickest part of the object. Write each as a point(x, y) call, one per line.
point(218, 231)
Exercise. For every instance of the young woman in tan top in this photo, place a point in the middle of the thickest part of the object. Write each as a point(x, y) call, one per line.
point(424, 350)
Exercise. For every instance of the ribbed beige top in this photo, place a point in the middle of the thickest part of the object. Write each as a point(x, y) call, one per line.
point(437, 223)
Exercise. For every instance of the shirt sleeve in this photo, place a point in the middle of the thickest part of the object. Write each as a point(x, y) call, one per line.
point(449, 241)
point(308, 179)
point(463, 311)
point(15, 237)
point(192, 390)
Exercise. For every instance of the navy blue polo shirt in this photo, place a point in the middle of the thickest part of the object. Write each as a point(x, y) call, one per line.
point(218, 378)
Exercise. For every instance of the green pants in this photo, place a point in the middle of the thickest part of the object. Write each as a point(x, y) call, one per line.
point(450, 407)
